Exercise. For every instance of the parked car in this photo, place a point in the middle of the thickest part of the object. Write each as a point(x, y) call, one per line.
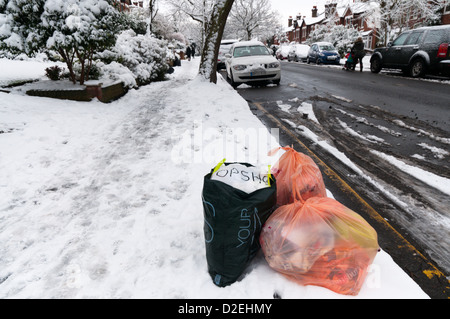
point(225, 46)
point(283, 51)
point(416, 52)
point(298, 52)
point(252, 62)
point(323, 52)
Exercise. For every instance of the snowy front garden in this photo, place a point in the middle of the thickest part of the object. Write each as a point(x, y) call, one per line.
point(90, 42)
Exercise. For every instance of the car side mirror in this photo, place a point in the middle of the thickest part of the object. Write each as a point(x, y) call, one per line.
point(228, 56)
point(389, 44)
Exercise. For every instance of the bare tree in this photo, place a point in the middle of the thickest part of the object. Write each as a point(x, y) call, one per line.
point(395, 15)
point(197, 10)
point(212, 14)
point(252, 18)
point(152, 12)
point(213, 35)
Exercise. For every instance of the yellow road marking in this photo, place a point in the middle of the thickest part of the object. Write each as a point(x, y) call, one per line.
point(347, 189)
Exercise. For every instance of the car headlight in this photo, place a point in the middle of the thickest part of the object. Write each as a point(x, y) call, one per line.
point(273, 65)
point(240, 67)
point(321, 54)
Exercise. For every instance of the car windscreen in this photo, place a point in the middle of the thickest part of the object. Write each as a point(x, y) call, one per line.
point(326, 47)
point(224, 48)
point(250, 50)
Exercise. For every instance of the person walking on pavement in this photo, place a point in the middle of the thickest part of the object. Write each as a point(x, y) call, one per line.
point(188, 52)
point(358, 50)
point(193, 50)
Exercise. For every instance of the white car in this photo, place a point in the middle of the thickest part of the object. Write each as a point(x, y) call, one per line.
point(225, 46)
point(298, 52)
point(252, 62)
point(282, 52)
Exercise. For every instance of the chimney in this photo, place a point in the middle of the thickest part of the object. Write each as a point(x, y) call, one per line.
point(330, 9)
point(290, 22)
point(314, 12)
point(299, 17)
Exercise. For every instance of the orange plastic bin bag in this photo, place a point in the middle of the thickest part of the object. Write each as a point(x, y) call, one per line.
point(320, 242)
point(299, 170)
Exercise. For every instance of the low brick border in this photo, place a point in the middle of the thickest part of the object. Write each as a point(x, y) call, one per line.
point(104, 94)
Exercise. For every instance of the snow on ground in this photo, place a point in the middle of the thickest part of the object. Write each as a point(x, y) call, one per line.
point(104, 200)
point(392, 72)
point(12, 71)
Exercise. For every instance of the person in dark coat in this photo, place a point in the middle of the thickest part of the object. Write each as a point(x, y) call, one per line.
point(188, 53)
point(193, 50)
point(358, 50)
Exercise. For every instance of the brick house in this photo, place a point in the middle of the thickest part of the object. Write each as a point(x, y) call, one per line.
point(127, 5)
point(300, 28)
point(356, 14)
point(446, 13)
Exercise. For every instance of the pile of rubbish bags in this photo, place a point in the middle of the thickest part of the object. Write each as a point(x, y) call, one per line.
point(308, 237)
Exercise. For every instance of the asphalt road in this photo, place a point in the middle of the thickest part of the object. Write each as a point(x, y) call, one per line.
point(428, 101)
point(361, 115)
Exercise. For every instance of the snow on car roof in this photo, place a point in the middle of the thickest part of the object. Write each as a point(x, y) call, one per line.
point(248, 43)
point(323, 43)
point(229, 41)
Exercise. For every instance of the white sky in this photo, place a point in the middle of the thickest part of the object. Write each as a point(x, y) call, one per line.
point(288, 8)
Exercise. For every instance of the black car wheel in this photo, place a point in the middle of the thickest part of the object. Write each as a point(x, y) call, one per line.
point(233, 84)
point(417, 68)
point(375, 65)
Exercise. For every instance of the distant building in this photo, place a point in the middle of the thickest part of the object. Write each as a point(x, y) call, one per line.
point(360, 14)
point(300, 28)
point(127, 5)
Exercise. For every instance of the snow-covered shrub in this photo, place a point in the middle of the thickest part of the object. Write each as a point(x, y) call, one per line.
point(19, 26)
point(75, 29)
point(342, 37)
point(144, 55)
point(54, 73)
point(78, 29)
point(118, 72)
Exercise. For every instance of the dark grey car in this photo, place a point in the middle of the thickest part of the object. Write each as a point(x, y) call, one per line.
point(416, 52)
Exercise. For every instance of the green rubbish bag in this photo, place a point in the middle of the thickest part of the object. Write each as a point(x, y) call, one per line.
point(233, 218)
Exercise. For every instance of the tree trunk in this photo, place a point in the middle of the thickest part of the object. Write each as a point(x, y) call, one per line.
point(213, 36)
point(68, 58)
point(81, 59)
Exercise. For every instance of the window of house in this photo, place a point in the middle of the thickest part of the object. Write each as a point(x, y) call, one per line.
point(368, 42)
point(447, 8)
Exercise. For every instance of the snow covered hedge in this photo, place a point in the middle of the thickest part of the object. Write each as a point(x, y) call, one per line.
point(81, 32)
point(144, 56)
point(342, 37)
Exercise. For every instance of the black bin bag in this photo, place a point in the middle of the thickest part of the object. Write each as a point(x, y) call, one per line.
point(233, 219)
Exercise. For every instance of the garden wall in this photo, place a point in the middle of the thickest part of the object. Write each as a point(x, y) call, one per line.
point(104, 94)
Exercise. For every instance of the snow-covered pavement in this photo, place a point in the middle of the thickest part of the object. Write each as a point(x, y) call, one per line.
point(104, 200)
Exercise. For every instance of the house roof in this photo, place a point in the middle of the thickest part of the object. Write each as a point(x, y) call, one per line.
point(359, 7)
point(310, 20)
